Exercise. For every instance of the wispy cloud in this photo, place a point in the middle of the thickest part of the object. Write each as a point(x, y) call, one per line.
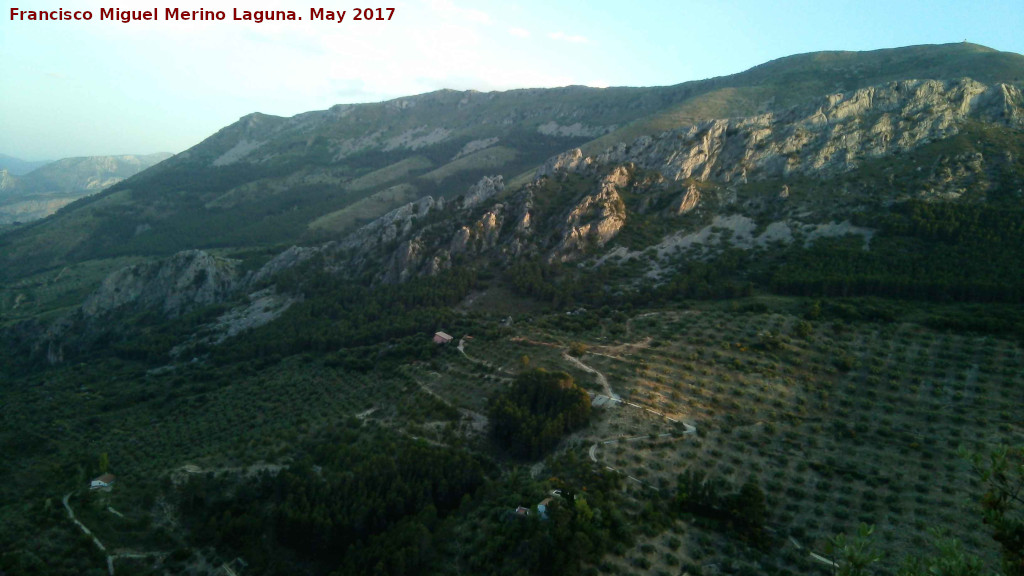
point(520, 32)
point(562, 36)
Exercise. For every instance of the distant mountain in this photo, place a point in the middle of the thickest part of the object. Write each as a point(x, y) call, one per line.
point(44, 190)
point(17, 166)
point(317, 176)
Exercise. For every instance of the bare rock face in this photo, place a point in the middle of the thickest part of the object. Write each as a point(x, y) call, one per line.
point(553, 128)
point(404, 262)
point(461, 240)
point(570, 161)
point(288, 259)
point(523, 224)
point(264, 306)
point(619, 177)
point(521, 228)
point(481, 235)
point(688, 201)
point(184, 281)
point(394, 224)
point(952, 177)
point(485, 189)
point(440, 262)
point(414, 255)
point(7, 181)
point(829, 136)
point(826, 138)
point(488, 227)
point(596, 219)
point(476, 146)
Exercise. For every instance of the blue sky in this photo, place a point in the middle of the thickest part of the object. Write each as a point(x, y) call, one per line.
point(90, 88)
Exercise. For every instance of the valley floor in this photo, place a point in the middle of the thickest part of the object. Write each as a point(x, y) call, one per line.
point(839, 422)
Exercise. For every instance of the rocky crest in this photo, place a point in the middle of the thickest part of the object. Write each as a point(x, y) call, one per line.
point(828, 137)
point(596, 219)
point(480, 235)
point(833, 135)
point(176, 285)
point(568, 161)
point(485, 189)
point(394, 224)
point(289, 259)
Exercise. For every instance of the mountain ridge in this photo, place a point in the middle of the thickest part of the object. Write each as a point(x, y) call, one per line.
point(690, 181)
point(283, 174)
point(17, 166)
point(45, 189)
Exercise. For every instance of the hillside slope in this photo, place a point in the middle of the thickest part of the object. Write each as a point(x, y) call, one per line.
point(265, 180)
point(46, 189)
point(17, 166)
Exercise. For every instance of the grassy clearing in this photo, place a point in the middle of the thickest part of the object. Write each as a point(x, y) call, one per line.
point(490, 158)
point(365, 210)
point(388, 174)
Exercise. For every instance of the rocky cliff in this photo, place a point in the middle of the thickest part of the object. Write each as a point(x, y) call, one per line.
point(679, 170)
point(270, 180)
point(777, 177)
point(706, 162)
point(173, 286)
point(830, 136)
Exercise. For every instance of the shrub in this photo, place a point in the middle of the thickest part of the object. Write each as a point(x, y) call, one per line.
point(577, 349)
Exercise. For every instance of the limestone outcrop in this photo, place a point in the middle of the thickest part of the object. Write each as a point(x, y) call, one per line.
point(483, 190)
point(829, 137)
point(596, 219)
point(173, 286)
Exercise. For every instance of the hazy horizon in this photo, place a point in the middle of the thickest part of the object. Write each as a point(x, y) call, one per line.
point(107, 88)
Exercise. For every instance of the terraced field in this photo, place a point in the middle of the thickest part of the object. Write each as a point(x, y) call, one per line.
point(839, 423)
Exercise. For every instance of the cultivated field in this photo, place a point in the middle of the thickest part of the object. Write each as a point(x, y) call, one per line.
point(839, 423)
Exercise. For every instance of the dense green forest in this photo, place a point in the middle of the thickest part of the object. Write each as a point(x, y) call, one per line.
point(358, 502)
point(924, 251)
point(744, 511)
point(361, 500)
point(342, 318)
point(530, 419)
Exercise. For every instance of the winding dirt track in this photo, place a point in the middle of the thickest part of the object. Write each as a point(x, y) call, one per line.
point(601, 379)
point(102, 548)
point(689, 429)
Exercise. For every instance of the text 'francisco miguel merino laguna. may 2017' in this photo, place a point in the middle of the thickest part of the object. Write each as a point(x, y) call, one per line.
point(179, 15)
